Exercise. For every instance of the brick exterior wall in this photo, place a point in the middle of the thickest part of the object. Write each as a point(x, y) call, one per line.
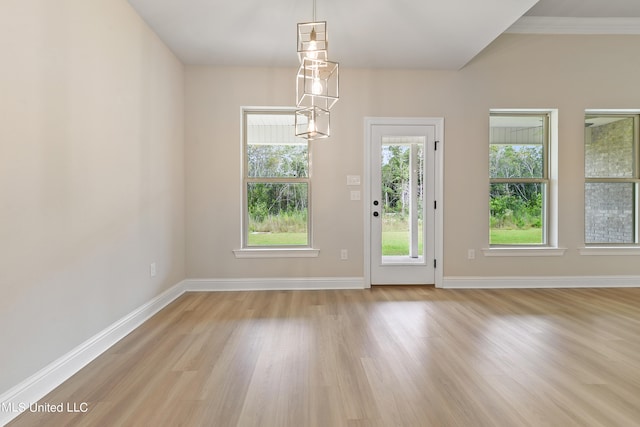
point(609, 206)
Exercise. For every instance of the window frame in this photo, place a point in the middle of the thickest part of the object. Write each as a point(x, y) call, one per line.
point(635, 180)
point(545, 180)
point(270, 251)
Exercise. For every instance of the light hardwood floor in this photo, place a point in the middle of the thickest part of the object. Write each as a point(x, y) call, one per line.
point(389, 356)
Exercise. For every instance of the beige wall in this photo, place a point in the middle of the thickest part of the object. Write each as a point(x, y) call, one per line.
point(570, 73)
point(91, 174)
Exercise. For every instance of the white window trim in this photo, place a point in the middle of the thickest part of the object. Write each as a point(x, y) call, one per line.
point(609, 250)
point(551, 221)
point(272, 252)
point(526, 251)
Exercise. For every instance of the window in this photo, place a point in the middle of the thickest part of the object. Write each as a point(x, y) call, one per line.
point(276, 184)
point(611, 178)
point(519, 174)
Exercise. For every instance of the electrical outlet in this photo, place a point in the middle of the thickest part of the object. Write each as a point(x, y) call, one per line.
point(471, 254)
point(355, 194)
point(344, 254)
point(153, 270)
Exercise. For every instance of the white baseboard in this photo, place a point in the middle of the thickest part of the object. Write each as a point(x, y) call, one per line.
point(529, 282)
point(18, 398)
point(273, 284)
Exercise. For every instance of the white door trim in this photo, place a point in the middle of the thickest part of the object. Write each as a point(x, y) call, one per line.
point(438, 122)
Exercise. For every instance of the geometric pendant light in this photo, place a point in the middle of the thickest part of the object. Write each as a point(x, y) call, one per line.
point(317, 80)
point(317, 83)
point(312, 122)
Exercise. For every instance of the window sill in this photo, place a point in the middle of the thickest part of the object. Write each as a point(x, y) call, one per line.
point(276, 253)
point(523, 252)
point(609, 250)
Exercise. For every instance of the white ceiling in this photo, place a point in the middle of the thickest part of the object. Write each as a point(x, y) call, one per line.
point(434, 34)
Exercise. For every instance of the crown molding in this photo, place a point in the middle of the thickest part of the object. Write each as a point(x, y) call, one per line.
point(557, 25)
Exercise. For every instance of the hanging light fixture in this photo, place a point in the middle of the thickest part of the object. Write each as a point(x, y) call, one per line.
point(317, 80)
point(317, 83)
point(313, 122)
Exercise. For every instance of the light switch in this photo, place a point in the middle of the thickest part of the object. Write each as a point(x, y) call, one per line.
point(353, 179)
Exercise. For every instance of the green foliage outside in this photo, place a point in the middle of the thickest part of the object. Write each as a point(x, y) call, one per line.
point(285, 222)
point(269, 215)
point(277, 207)
point(511, 211)
point(393, 242)
point(395, 198)
point(395, 234)
point(506, 236)
point(277, 161)
point(277, 210)
point(397, 243)
point(276, 239)
point(516, 208)
point(395, 179)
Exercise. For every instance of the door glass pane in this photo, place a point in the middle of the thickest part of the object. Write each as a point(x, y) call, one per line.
point(609, 147)
point(402, 198)
point(277, 214)
point(609, 212)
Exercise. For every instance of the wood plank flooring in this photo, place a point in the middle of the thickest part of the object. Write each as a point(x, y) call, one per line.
point(389, 356)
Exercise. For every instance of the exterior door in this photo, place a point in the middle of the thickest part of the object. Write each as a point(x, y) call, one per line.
point(402, 203)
